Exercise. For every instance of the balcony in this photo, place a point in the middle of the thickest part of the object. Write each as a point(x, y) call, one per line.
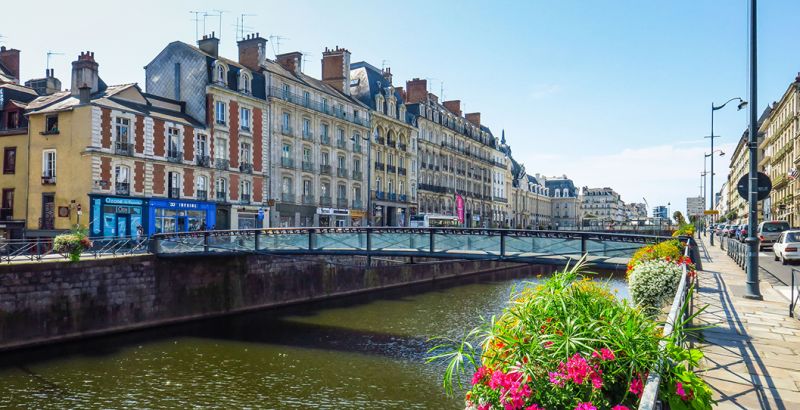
point(287, 130)
point(202, 195)
point(246, 168)
point(341, 172)
point(222, 196)
point(340, 143)
point(287, 162)
point(325, 201)
point(380, 166)
point(123, 148)
point(203, 160)
point(401, 171)
point(391, 143)
point(341, 202)
point(174, 193)
point(122, 188)
point(357, 204)
point(357, 148)
point(308, 135)
point(48, 179)
point(222, 163)
point(380, 195)
point(325, 169)
point(325, 140)
point(402, 147)
point(391, 168)
point(245, 198)
point(308, 199)
point(308, 166)
point(392, 196)
point(402, 198)
point(16, 130)
point(174, 155)
point(358, 175)
point(380, 140)
point(319, 106)
point(287, 197)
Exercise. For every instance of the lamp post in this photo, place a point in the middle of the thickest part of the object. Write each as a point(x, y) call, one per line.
point(369, 173)
point(705, 172)
point(742, 104)
point(752, 285)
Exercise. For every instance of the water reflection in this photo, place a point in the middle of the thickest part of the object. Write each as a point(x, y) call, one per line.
point(357, 352)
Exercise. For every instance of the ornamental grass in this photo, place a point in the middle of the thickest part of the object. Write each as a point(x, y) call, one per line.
point(568, 343)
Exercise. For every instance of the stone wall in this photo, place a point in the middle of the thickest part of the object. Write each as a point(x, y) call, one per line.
point(54, 301)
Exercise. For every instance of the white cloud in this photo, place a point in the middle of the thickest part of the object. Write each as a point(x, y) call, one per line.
point(544, 90)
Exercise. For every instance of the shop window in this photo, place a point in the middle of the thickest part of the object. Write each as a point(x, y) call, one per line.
point(10, 160)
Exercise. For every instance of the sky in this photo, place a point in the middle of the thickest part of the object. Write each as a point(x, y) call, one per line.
point(611, 93)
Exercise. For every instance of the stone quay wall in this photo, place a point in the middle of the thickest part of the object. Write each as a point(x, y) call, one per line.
point(56, 301)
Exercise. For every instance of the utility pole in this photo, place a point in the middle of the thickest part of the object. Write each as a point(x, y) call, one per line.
point(752, 285)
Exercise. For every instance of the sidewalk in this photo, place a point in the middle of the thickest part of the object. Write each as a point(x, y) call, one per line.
point(752, 354)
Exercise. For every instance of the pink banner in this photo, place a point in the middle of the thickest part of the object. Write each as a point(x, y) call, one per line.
point(460, 208)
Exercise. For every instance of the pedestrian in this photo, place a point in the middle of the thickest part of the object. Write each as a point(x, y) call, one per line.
point(139, 232)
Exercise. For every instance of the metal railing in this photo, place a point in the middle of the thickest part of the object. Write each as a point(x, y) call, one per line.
point(41, 249)
point(678, 314)
point(736, 250)
point(795, 292)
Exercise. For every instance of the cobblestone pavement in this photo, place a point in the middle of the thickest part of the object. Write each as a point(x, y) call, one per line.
point(752, 352)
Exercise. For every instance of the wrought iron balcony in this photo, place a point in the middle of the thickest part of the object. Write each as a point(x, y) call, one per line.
point(287, 130)
point(402, 198)
point(325, 140)
point(401, 171)
point(341, 202)
point(308, 135)
point(287, 162)
point(174, 155)
point(392, 196)
point(341, 172)
point(122, 188)
point(203, 160)
point(245, 198)
point(325, 169)
point(308, 166)
point(222, 163)
point(402, 147)
point(222, 196)
point(308, 199)
point(380, 166)
point(358, 175)
point(391, 168)
point(48, 179)
point(246, 168)
point(380, 195)
point(325, 201)
point(287, 197)
point(357, 148)
point(123, 148)
point(202, 195)
point(358, 204)
point(341, 143)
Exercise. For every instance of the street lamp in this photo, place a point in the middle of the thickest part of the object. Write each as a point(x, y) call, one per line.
point(369, 173)
point(705, 173)
point(752, 286)
point(742, 104)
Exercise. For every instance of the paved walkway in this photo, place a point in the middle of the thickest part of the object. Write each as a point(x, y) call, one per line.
point(752, 354)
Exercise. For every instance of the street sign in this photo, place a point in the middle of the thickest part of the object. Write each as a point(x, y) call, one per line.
point(711, 212)
point(764, 186)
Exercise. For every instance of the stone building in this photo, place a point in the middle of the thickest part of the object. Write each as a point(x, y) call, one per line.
point(394, 145)
point(564, 200)
point(455, 157)
point(601, 208)
point(778, 135)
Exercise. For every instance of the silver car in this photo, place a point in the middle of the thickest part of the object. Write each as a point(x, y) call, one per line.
point(769, 231)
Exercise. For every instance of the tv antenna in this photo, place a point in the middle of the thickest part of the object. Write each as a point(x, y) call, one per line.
point(276, 43)
point(241, 26)
point(305, 60)
point(49, 54)
point(206, 14)
point(384, 63)
point(196, 20)
point(219, 13)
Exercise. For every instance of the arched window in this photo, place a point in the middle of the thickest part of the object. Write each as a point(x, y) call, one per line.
point(202, 187)
point(221, 73)
point(222, 189)
point(244, 83)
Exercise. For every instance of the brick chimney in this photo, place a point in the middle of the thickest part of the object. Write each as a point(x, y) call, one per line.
point(84, 74)
point(453, 106)
point(402, 92)
point(209, 45)
point(9, 58)
point(387, 75)
point(474, 118)
point(252, 51)
point(416, 90)
point(290, 61)
point(336, 69)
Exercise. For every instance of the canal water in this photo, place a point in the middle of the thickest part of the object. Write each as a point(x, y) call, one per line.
point(360, 352)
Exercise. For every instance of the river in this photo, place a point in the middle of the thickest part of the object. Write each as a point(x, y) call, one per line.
point(360, 352)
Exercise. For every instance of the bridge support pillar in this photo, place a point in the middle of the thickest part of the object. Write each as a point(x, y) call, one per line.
point(205, 242)
point(584, 250)
point(258, 241)
point(502, 244)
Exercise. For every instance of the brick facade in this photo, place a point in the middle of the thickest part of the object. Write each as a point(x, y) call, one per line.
point(188, 182)
point(258, 140)
point(139, 135)
point(233, 127)
point(138, 177)
point(158, 178)
point(105, 128)
point(188, 143)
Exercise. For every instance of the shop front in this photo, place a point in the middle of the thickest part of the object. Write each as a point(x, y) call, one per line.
point(358, 218)
point(112, 216)
point(334, 217)
point(168, 215)
point(249, 217)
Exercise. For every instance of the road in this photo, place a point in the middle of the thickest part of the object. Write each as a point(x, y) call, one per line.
point(771, 271)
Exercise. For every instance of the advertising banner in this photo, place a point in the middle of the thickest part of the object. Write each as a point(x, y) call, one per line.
point(460, 208)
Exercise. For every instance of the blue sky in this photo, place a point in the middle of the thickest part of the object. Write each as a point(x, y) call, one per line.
point(611, 93)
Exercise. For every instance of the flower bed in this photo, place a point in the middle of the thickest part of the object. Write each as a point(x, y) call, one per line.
point(569, 343)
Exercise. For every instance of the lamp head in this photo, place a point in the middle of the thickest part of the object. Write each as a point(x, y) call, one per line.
point(721, 152)
point(742, 104)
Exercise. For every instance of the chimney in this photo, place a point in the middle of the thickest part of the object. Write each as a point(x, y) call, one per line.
point(290, 61)
point(85, 73)
point(47, 85)
point(209, 45)
point(416, 90)
point(9, 58)
point(387, 75)
point(252, 51)
point(84, 94)
point(336, 69)
point(402, 92)
point(475, 118)
point(453, 106)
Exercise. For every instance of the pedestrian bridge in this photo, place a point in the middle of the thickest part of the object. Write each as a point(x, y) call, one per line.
point(605, 250)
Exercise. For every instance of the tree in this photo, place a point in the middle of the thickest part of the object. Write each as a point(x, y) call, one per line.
point(678, 217)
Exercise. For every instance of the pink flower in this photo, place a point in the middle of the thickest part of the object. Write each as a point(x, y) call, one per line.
point(636, 387)
point(534, 407)
point(577, 369)
point(556, 378)
point(484, 406)
point(547, 344)
point(607, 354)
point(619, 407)
point(680, 391)
point(586, 406)
point(597, 380)
point(482, 372)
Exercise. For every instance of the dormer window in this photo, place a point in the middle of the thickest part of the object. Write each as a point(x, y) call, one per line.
point(221, 74)
point(244, 83)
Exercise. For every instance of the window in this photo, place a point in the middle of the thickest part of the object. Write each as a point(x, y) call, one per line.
point(173, 143)
point(244, 85)
point(340, 136)
point(219, 113)
point(286, 91)
point(325, 105)
point(341, 191)
point(7, 204)
point(51, 124)
point(324, 132)
point(49, 163)
point(202, 187)
point(325, 189)
point(356, 164)
point(122, 175)
point(244, 153)
point(378, 184)
point(286, 187)
point(401, 190)
point(306, 98)
point(356, 193)
point(307, 188)
point(391, 186)
point(286, 123)
point(306, 154)
point(201, 145)
point(286, 151)
point(244, 117)
point(220, 73)
point(325, 158)
point(122, 130)
point(306, 127)
point(174, 184)
point(222, 189)
point(10, 160)
point(220, 148)
point(340, 162)
point(12, 120)
point(246, 190)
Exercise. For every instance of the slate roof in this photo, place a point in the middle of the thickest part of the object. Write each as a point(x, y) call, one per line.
point(560, 184)
point(368, 82)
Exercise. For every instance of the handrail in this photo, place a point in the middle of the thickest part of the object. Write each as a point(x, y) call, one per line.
point(649, 400)
point(41, 249)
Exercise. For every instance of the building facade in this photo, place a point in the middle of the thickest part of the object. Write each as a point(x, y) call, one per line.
point(601, 208)
point(564, 199)
point(779, 159)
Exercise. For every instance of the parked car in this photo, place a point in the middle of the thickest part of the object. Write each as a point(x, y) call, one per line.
point(729, 230)
point(769, 231)
point(785, 248)
point(741, 233)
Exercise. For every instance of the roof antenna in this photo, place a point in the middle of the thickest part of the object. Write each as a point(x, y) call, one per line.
point(51, 53)
point(275, 39)
point(241, 27)
point(219, 13)
point(384, 63)
point(196, 20)
point(205, 14)
point(305, 60)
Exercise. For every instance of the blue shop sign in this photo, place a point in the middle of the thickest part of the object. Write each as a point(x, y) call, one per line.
point(116, 217)
point(170, 215)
